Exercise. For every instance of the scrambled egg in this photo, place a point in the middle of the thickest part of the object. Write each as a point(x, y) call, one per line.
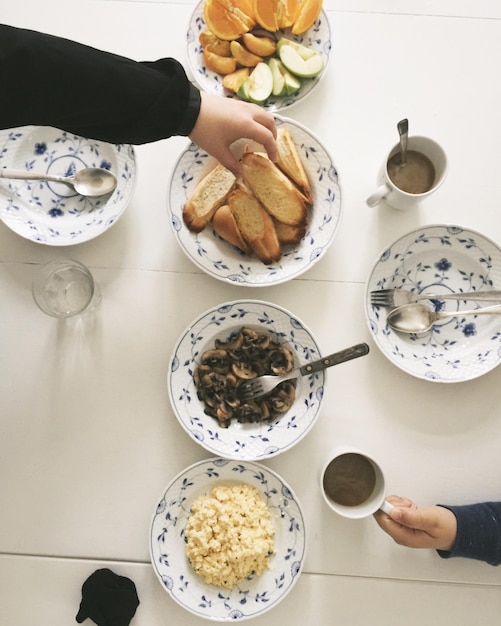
point(229, 535)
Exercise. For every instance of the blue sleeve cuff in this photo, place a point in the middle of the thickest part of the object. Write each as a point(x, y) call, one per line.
point(478, 532)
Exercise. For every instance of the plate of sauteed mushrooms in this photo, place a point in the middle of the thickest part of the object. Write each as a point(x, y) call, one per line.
point(223, 349)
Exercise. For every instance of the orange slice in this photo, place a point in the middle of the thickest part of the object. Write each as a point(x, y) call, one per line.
point(226, 19)
point(306, 14)
point(286, 11)
point(247, 6)
point(275, 14)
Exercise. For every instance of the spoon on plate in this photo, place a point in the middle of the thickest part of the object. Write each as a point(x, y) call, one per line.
point(403, 131)
point(90, 181)
point(418, 318)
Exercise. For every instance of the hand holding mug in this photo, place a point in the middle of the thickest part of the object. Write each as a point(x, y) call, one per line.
point(428, 527)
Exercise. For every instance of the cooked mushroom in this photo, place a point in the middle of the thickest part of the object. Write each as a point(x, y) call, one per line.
point(217, 360)
point(282, 397)
point(281, 361)
point(256, 338)
point(246, 353)
point(234, 342)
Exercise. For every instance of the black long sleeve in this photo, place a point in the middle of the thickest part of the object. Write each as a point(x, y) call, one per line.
point(478, 532)
point(50, 81)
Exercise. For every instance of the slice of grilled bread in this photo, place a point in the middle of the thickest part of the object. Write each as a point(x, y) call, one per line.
point(289, 161)
point(289, 234)
point(209, 194)
point(226, 227)
point(255, 224)
point(276, 192)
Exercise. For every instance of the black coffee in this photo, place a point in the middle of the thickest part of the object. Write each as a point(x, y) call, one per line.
point(416, 176)
point(349, 479)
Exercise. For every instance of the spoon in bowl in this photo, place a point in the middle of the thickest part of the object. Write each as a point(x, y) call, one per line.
point(90, 181)
point(403, 131)
point(418, 318)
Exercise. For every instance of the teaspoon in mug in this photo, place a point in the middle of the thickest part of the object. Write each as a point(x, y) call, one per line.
point(403, 131)
point(90, 181)
point(418, 318)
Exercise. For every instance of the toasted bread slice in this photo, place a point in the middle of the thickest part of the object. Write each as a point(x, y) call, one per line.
point(289, 161)
point(226, 227)
point(255, 224)
point(209, 194)
point(276, 192)
point(289, 234)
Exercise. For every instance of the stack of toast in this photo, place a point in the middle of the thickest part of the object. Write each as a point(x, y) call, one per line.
point(261, 212)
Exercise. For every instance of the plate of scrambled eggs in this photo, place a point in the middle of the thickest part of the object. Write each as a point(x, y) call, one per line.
point(227, 539)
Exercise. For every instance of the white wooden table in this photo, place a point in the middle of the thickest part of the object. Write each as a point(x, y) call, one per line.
point(88, 440)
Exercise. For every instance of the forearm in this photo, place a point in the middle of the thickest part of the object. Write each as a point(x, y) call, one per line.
point(478, 532)
point(49, 81)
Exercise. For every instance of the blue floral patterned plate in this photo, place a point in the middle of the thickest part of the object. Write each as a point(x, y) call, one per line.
point(317, 38)
point(225, 262)
point(255, 595)
point(53, 213)
point(440, 259)
point(244, 441)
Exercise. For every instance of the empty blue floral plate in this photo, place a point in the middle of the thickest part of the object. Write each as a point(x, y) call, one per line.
point(223, 261)
point(53, 213)
point(252, 441)
point(256, 594)
point(440, 259)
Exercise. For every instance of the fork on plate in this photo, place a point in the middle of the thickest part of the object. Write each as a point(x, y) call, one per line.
point(256, 387)
point(398, 297)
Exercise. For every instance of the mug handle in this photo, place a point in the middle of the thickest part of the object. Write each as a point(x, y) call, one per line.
point(378, 195)
point(386, 507)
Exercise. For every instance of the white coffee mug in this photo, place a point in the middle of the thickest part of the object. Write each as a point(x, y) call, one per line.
point(396, 197)
point(353, 484)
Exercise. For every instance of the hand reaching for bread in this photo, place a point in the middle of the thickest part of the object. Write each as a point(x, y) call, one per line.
point(260, 212)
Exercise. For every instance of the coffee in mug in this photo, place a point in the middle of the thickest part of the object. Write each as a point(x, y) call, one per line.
point(349, 479)
point(416, 175)
point(353, 484)
point(405, 186)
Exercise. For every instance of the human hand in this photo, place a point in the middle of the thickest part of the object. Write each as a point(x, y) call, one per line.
point(222, 121)
point(428, 527)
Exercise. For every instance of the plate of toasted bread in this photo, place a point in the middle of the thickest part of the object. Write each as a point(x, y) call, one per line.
point(268, 226)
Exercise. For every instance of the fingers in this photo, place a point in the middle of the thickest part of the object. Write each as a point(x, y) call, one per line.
point(228, 159)
point(428, 527)
point(400, 501)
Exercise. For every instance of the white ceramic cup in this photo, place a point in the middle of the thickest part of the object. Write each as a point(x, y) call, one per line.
point(353, 484)
point(65, 288)
point(393, 195)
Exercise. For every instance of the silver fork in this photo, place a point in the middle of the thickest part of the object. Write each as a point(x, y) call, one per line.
point(398, 297)
point(256, 387)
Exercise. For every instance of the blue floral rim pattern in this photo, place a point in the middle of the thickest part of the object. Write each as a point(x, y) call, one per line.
point(317, 38)
point(440, 259)
point(223, 261)
point(53, 213)
point(253, 596)
point(244, 441)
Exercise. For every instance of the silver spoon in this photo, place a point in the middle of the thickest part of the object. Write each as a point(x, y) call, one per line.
point(418, 318)
point(403, 131)
point(90, 181)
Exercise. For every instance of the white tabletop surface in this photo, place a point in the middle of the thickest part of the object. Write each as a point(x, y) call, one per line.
point(88, 440)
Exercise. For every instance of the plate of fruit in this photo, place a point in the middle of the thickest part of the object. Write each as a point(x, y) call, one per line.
point(270, 52)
